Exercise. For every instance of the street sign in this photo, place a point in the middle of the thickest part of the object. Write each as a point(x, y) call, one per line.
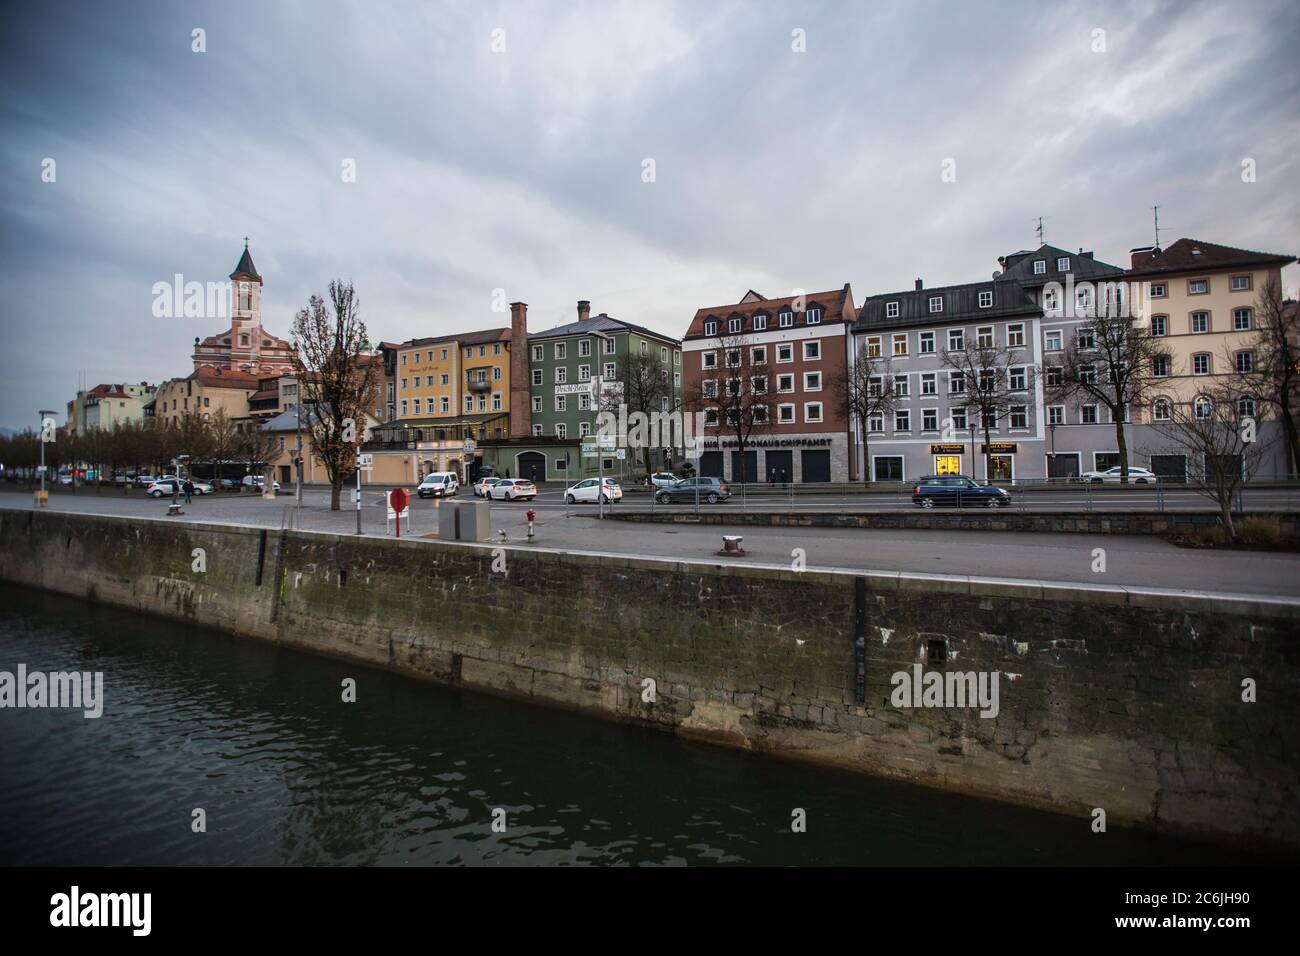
point(589, 450)
point(398, 499)
point(469, 444)
point(608, 442)
point(622, 454)
point(365, 461)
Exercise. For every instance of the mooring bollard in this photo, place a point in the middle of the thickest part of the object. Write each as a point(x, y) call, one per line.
point(731, 544)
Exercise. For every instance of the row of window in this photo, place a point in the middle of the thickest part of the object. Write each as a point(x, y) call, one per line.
point(443, 353)
point(1017, 419)
point(560, 351)
point(1201, 286)
point(758, 321)
point(610, 374)
point(1201, 322)
point(786, 414)
point(444, 404)
point(985, 338)
point(812, 382)
point(480, 375)
point(1018, 378)
point(812, 352)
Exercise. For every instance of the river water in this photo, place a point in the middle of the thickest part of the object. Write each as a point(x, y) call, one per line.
point(287, 773)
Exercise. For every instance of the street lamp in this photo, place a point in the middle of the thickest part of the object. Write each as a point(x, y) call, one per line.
point(1051, 428)
point(45, 415)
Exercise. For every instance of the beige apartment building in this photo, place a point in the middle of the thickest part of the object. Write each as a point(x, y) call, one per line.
point(1200, 299)
point(203, 392)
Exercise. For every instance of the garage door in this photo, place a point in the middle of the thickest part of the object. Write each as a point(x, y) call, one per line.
point(711, 464)
point(532, 464)
point(816, 465)
point(782, 462)
point(749, 472)
point(1169, 467)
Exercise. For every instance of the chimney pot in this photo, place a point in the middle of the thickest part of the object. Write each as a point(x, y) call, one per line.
point(918, 285)
point(584, 310)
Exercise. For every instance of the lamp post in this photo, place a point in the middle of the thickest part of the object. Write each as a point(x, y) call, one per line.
point(1052, 464)
point(597, 393)
point(45, 415)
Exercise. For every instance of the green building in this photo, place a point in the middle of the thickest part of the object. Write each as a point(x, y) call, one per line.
point(573, 374)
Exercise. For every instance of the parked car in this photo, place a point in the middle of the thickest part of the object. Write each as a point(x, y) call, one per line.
point(164, 486)
point(144, 481)
point(594, 489)
point(1139, 476)
point(225, 484)
point(258, 482)
point(957, 491)
point(201, 488)
point(513, 489)
point(711, 490)
point(438, 484)
point(663, 479)
point(483, 484)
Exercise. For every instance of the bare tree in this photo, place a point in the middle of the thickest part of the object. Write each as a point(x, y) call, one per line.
point(1217, 438)
point(866, 388)
point(334, 383)
point(645, 387)
point(223, 441)
point(1271, 374)
point(740, 395)
point(983, 370)
point(256, 446)
point(1111, 360)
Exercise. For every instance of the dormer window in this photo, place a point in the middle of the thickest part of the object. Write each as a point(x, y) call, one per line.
point(710, 328)
point(936, 303)
point(1063, 264)
point(786, 319)
point(891, 310)
point(814, 315)
point(734, 325)
point(760, 323)
point(986, 299)
point(1040, 267)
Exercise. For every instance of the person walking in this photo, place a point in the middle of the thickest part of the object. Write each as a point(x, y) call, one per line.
point(188, 487)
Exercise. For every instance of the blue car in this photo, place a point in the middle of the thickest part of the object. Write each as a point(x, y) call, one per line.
point(957, 491)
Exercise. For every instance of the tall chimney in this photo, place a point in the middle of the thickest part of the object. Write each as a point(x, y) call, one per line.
point(521, 405)
point(918, 285)
point(584, 310)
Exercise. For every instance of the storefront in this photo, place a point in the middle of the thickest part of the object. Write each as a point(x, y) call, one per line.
point(948, 459)
point(803, 459)
point(1001, 460)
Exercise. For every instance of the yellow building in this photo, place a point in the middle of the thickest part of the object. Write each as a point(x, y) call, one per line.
point(1200, 300)
point(451, 392)
point(203, 392)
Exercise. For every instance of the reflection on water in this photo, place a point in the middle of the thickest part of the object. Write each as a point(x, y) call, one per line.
point(289, 774)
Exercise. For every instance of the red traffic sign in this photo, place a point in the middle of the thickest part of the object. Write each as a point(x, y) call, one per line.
point(399, 498)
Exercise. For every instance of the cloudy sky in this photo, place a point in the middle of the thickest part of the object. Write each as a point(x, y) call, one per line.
point(524, 168)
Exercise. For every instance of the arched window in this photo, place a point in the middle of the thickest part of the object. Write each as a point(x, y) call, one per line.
point(1202, 407)
point(1161, 410)
point(1246, 406)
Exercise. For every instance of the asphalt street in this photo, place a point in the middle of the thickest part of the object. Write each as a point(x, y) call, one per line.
point(1143, 561)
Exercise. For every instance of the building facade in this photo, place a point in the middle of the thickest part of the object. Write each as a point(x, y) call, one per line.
point(572, 375)
point(795, 349)
point(930, 429)
point(105, 406)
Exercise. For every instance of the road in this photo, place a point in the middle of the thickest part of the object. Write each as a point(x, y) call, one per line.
point(1129, 560)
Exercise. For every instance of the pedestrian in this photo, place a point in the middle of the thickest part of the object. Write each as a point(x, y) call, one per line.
point(189, 490)
point(782, 477)
point(534, 474)
point(771, 478)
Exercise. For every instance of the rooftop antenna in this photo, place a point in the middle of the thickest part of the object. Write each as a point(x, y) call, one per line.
point(1039, 230)
point(1155, 210)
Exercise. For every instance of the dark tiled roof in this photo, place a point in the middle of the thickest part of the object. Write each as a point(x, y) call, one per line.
point(1193, 255)
point(599, 323)
point(1020, 266)
point(960, 304)
point(485, 336)
point(245, 266)
point(836, 305)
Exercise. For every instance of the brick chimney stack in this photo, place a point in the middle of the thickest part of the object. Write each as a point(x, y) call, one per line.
point(584, 310)
point(521, 405)
point(918, 285)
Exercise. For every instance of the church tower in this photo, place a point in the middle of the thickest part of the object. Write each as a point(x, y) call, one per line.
point(246, 314)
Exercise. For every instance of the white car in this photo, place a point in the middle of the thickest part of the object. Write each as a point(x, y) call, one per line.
point(1137, 476)
point(512, 489)
point(438, 484)
point(202, 488)
point(663, 479)
point(258, 482)
point(591, 490)
point(483, 484)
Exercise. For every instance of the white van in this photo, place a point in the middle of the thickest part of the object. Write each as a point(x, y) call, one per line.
point(439, 484)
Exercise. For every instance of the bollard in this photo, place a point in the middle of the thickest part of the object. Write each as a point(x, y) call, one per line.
point(531, 516)
point(731, 544)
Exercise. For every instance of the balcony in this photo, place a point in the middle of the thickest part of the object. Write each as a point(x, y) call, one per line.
point(474, 385)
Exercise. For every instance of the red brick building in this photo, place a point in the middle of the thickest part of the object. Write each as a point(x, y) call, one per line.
point(796, 348)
